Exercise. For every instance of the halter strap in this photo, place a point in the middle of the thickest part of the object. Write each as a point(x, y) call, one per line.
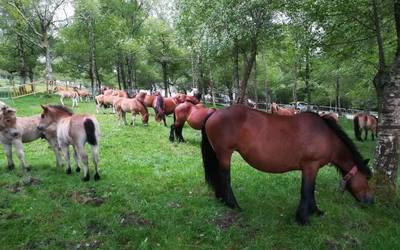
point(353, 171)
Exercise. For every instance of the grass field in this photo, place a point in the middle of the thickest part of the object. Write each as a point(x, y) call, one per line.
point(152, 195)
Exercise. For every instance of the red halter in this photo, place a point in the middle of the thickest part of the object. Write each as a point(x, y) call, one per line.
point(348, 177)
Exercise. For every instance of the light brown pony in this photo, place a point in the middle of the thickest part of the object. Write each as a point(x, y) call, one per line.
point(83, 93)
point(365, 122)
point(193, 114)
point(105, 101)
point(18, 130)
point(133, 106)
point(275, 109)
point(120, 93)
point(72, 94)
point(277, 144)
point(76, 130)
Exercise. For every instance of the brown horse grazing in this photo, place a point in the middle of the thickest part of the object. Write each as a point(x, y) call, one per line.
point(365, 122)
point(193, 114)
point(166, 106)
point(277, 144)
point(275, 109)
point(18, 130)
point(133, 106)
point(120, 93)
point(73, 130)
point(333, 116)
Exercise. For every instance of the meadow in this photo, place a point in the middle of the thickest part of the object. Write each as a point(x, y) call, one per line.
point(152, 195)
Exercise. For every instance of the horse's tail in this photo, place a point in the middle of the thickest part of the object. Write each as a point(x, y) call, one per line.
point(160, 107)
point(210, 161)
point(91, 133)
point(357, 131)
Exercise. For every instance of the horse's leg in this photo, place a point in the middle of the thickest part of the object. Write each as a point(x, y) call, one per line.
point(373, 135)
point(76, 158)
point(124, 117)
point(84, 158)
point(133, 118)
point(366, 134)
point(179, 135)
point(172, 133)
point(95, 152)
point(225, 191)
point(306, 205)
point(8, 152)
point(54, 145)
point(61, 100)
point(65, 149)
point(19, 148)
point(164, 120)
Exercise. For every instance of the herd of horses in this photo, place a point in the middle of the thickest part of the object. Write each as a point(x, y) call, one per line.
point(278, 141)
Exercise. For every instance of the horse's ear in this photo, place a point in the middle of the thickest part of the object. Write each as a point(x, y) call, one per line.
point(44, 107)
point(366, 161)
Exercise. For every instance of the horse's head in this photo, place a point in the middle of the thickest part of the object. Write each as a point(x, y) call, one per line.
point(52, 114)
point(8, 121)
point(180, 98)
point(356, 183)
point(192, 99)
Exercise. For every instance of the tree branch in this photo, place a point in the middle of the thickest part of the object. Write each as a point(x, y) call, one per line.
point(25, 19)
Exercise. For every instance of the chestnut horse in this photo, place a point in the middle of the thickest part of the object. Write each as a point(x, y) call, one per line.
point(275, 109)
point(193, 114)
point(72, 94)
point(277, 144)
point(365, 122)
point(333, 116)
point(73, 130)
point(133, 106)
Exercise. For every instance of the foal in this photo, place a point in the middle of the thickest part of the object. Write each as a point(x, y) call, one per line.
point(18, 130)
point(73, 130)
point(74, 95)
point(131, 105)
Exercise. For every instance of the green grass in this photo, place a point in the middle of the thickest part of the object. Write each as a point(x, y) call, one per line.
point(155, 198)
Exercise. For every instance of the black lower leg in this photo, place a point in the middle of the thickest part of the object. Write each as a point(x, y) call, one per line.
point(312, 207)
point(96, 176)
point(366, 134)
point(228, 197)
point(179, 134)
point(87, 177)
point(171, 133)
point(303, 210)
point(164, 120)
point(11, 166)
point(68, 170)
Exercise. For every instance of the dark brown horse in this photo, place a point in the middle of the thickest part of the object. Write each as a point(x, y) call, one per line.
point(365, 122)
point(277, 144)
point(193, 114)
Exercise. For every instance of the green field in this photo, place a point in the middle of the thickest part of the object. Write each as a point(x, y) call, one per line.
point(152, 195)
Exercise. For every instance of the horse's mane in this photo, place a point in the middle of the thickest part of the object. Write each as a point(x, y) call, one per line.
point(357, 157)
point(61, 108)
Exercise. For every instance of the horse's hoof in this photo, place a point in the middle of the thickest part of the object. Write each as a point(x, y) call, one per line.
point(96, 177)
point(319, 213)
point(303, 221)
point(78, 169)
point(27, 169)
point(68, 171)
point(171, 139)
point(11, 167)
point(86, 178)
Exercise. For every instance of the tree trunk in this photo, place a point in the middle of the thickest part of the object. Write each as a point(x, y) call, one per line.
point(307, 78)
point(92, 47)
point(266, 87)
point(211, 86)
point(235, 73)
point(21, 57)
point(165, 77)
point(129, 60)
point(46, 48)
point(247, 70)
point(255, 83)
point(122, 70)
point(295, 77)
point(338, 92)
point(119, 76)
point(387, 84)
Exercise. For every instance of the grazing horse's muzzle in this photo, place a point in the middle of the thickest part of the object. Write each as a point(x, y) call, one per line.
point(40, 127)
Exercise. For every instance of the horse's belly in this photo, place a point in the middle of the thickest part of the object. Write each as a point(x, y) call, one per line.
point(272, 164)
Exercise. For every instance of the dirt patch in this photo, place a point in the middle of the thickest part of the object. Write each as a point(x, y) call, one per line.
point(26, 182)
point(96, 228)
point(344, 241)
point(88, 197)
point(229, 219)
point(93, 244)
point(12, 216)
point(133, 219)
